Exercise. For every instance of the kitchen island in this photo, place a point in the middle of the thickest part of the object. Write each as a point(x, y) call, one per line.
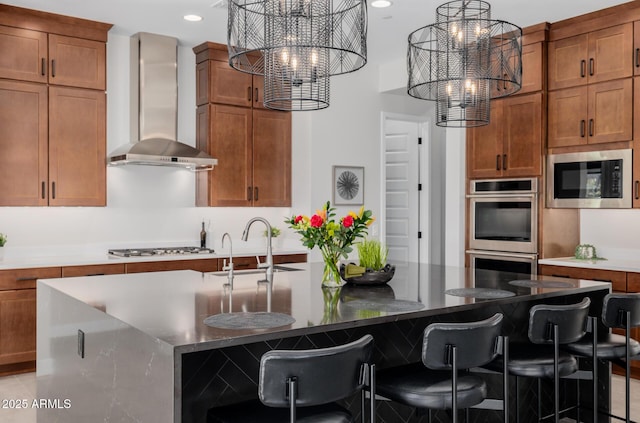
point(135, 348)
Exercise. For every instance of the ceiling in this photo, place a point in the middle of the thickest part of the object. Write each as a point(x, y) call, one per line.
point(387, 29)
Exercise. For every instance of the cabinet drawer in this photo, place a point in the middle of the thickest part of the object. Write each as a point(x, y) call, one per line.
point(633, 282)
point(241, 263)
point(26, 278)
point(202, 265)
point(289, 258)
point(93, 270)
point(617, 279)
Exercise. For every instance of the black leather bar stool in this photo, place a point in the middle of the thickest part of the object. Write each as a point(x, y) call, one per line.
point(620, 311)
point(303, 385)
point(441, 380)
point(550, 326)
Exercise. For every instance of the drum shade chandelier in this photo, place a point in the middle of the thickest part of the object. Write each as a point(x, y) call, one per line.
point(297, 45)
point(464, 60)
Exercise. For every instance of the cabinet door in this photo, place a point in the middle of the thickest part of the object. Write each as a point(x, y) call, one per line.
point(567, 117)
point(26, 278)
point(522, 138)
point(76, 62)
point(24, 54)
point(568, 62)
point(202, 82)
point(230, 141)
point(611, 53)
point(610, 106)
point(77, 147)
point(484, 146)
point(636, 143)
point(229, 86)
point(633, 282)
point(23, 143)
point(532, 68)
point(271, 158)
point(17, 326)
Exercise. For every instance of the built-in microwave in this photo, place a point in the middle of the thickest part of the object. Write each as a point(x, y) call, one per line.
point(595, 179)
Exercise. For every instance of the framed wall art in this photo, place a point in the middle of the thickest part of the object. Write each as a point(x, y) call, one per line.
point(348, 185)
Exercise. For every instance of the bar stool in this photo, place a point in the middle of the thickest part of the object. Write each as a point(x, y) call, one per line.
point(620, 311)
point(303, 385)
point(437, 383)
point(550, 326)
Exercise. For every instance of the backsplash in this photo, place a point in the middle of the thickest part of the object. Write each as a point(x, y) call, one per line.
point(614, 233)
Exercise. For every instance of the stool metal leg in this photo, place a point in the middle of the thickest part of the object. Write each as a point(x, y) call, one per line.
point(454, 383)
point(517, 400)
point(594, 370)
point(556, 374)
point(627, 375)
point(292, 399)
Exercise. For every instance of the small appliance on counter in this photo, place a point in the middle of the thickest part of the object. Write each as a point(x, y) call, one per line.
point(163, 251)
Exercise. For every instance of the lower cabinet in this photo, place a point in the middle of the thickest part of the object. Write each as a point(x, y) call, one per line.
point(620, 282)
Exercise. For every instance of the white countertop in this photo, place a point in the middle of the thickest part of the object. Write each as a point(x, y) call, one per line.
point(609, 264)
point(55, 260)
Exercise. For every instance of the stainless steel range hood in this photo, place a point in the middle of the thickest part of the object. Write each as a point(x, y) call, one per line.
point(154, 109)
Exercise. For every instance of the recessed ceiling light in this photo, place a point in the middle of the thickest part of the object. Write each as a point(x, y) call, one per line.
point(381, 3)
point(192, 18)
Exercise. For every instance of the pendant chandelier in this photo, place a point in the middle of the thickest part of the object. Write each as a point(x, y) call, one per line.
point(464, 60)
point(297, 45)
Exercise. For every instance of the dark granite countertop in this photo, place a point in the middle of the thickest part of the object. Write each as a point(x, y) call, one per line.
point(172, 306)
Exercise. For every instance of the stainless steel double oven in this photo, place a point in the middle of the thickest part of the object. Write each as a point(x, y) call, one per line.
point(503, 225)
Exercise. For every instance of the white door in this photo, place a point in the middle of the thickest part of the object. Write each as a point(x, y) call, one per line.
point(402, 178)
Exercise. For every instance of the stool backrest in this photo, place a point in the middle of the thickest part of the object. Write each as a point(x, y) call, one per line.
point(615, 308)
point(323, 375)
point(477, 343)
point(571, 320)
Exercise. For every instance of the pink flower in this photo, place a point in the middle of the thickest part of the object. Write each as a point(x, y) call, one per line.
point(347, 221)
point(316, 221)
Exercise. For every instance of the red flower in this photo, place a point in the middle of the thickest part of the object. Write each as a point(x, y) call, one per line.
point(316, 221)
point(297, 219)
point(347, 221)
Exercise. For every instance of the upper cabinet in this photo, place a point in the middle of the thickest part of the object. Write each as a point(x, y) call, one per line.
point(52, 109)
point(252, 144)
point(597, 56)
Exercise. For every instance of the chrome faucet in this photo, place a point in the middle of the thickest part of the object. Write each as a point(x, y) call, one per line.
point(225, 266)
point(268, 264)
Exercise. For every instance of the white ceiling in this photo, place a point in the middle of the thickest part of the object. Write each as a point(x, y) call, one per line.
point(387, 30)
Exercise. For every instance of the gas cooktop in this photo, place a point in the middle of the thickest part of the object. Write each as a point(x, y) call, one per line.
point(163, 251)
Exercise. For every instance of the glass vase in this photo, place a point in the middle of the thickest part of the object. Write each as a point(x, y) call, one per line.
point(331, 273)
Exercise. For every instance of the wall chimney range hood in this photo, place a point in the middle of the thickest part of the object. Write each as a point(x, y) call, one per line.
point(154, 109)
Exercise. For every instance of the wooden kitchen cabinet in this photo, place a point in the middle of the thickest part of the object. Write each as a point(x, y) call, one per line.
point(93, 270)
point(532, 68)
point(18, 317)
point(52, 109)
point(511, 144)
point(251, 262)
point(200, 265)
point(597, 56)
point(252, 144)
point(597, 113)
point(636, 142)
point(617, 279)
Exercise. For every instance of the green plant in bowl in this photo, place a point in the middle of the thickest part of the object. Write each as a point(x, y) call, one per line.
point(372, 254)
point(3, 239)
point(275, 232)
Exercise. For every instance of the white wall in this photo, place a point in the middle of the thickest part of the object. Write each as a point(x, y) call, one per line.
point(614, 233)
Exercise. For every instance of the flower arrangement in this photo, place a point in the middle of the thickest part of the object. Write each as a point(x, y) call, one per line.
point(333, 238)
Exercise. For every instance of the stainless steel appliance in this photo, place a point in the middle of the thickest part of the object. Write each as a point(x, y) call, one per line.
point(515, 265)
point(504, 215)
point(162, 251)
point(596, 179)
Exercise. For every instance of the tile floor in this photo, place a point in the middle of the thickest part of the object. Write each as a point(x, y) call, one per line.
point(24, 387)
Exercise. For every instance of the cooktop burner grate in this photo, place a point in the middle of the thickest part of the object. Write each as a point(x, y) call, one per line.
point(163, 251)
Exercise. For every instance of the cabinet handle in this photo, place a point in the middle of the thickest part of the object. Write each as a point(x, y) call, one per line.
point(255, 194)
point(637, 190)
point(498, 165)
point(255, 98)
point(43, 66)
point(583, 68)
point(638, 58)
point(591, 66)
point(249, 93)
point(26, 278)
point(53, 190)
point(590, 127)
point(582, 128)
point(560, 276)
point(504, 81)
point(498, 86)
point(43, 189)
point(249, 194)
point(504, 162)
point(53, 68)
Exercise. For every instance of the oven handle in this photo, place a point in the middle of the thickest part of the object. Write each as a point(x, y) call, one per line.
point(502, 254)
point(491, 196)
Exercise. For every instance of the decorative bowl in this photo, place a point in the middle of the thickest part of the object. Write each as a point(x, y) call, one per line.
point(370, 277)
